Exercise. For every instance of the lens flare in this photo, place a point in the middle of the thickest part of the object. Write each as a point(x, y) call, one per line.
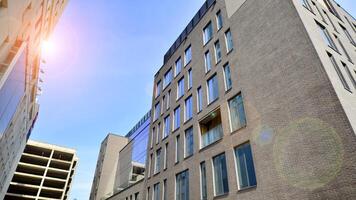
point(308, 153)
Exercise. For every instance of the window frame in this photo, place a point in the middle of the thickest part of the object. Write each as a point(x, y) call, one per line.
point(207, 40)
point(239, 188)
point(229, 112)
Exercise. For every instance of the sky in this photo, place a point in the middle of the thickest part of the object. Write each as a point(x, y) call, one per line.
point(99, 71)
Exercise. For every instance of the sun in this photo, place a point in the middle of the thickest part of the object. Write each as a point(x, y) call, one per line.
point(47, 47)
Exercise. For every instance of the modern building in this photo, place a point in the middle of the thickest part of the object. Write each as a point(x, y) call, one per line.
point(121, 164)
point(104, 178)
point(256, 100)
point(45, 171)
point(24, 24)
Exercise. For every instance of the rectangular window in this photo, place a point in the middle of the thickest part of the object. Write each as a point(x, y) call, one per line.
point(158, 132)
point(339, 73)
point(207, 60)
point(178, 148)
point(168, 98)
point(217, 51)
point(190, 79)
point(343, 48)
point(326, 36)
point(213, 89)
point(158, 89)
point(182, 186)
point(348, 35)
point(229, 42)
point(187, 55)
point(188, 142)
point(306, 4)
point(178, 67)
point(199, 99)
point(227, 77)
point(219, 20)
point(245, 167)
point(157, 110)
point(351, 24)
point(330, 7)
point(167, 126)
point(237, 113)
point(211, 129)
point(167, 78)
point(207, 33)
point(176, 118)
point(165, 156)
point(158, 161)
point(203, 185)
point(150, 165)
point(156, 192)
point(188, 111)
point(148, 193)
point(221, 185)
point(152, 136)
point(349, 74)
point(165, 193)
point(180, 88)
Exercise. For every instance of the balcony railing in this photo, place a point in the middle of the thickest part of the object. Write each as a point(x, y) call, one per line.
point(211, 136)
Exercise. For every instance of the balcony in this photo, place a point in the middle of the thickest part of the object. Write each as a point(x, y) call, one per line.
point(211, 129)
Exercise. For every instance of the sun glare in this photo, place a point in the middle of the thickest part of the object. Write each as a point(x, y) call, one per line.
point(47, 47)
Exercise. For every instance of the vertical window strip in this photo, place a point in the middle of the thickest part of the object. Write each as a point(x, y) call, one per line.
point(349, 74)
point(339, 73)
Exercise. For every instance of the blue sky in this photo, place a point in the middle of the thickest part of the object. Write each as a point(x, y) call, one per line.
point(99, 74)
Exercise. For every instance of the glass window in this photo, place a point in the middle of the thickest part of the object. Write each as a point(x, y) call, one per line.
point(339, 73)
point(158, 88)
point(178, 66)
point(165, 156)
point(330, 7)
point(325, 35)
point(157, 110)
point(213, 90)
point(306, 4)
point(152, 136)
point(180, 88)
point(203, 185)
point(182, 186)
point(156, 192)
point(167, 78)
point(158, 161)
point(188, 55)
point(348, 35)
point(158, 132)
point(207, 60)
point(349, 74)
point(176, 118)
point(237, 113)
point(165, 190)
point(208, 33)
point(217, 52)
point(227, 77)
point(199, 99)
point(221, 185)
point(177, 148)
point(229, 43)
point(167, 126)
point(245, 167)
point(189, 142)
point(211, 129)
point(148, 193)
point(168, 99)
point(188, 108)
point(190, 79)
point(219, 20)
point(343, 49)
point(150, 163)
